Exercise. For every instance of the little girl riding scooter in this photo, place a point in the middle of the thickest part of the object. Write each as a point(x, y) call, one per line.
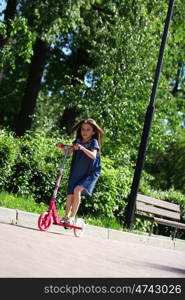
point(85, 165)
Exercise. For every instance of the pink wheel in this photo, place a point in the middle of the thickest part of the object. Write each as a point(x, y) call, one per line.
point(44, 221)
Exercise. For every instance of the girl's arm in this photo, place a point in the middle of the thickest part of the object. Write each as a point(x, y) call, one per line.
point(89, 153)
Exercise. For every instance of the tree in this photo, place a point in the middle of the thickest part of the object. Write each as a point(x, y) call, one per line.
point(120, 68)
point(23, 120)
point(48, 20)
point(8, 16)
point(15, 38)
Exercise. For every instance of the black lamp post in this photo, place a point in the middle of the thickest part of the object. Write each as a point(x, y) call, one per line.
point(147, 125)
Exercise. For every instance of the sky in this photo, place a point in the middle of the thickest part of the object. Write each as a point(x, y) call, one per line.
point(2, 7)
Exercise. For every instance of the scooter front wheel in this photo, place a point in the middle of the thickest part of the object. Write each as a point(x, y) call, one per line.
point(79, 223)
point(45, 221)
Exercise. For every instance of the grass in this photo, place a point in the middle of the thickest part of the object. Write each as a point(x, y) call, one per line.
point(28, 204)
point(103, 222)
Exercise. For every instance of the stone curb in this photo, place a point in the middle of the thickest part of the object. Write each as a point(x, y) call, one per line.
point(27, 219)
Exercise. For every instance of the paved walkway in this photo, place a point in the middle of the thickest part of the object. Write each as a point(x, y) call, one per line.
point(28, 252)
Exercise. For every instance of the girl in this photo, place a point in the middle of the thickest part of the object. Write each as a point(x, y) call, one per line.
point(85, 166)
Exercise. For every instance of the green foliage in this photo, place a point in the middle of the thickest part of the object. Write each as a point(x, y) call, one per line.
point(9, 149)
point(51, 19)
point(47, 20)
point(168, 167)
point(20, 42)
point(111, 191)
point(34, 171)
point(110, 65)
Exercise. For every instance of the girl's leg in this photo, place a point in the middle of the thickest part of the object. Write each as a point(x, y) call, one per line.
point(76, 200)
point(69, 204)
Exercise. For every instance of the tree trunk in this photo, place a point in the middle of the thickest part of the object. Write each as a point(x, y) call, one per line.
point(9, 14)
point(24, 118)
point(68, 118)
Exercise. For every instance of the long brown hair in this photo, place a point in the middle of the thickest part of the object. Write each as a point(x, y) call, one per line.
point(99, 133)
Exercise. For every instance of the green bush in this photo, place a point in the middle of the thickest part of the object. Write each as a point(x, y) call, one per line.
point(111, 191)
point(35, 169)
point(9, 149)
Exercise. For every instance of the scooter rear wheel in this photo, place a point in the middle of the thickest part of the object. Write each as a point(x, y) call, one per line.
point(79, 223)
point(45, 221)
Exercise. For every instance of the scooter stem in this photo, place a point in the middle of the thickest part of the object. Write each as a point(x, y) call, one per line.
point(60, 172)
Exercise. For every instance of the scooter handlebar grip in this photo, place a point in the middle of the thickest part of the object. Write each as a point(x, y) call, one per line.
point(60, 145)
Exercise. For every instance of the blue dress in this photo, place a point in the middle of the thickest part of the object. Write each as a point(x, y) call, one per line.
point(84, 170)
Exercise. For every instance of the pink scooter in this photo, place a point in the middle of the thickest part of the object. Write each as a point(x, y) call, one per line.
point(47, 218)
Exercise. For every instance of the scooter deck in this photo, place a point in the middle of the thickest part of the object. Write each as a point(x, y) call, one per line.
point(68, 225)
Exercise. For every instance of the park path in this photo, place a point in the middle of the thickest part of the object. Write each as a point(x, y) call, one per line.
point(28, 252)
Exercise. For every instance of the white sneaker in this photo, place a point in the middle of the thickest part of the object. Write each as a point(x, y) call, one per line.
point(71, 221)
point(64, 219)
point(68, 221)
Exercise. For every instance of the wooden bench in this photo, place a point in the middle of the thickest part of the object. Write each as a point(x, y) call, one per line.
point(159, 211)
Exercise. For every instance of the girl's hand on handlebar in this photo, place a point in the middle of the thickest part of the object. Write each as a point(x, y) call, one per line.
point(72, 147)
point(77, 147)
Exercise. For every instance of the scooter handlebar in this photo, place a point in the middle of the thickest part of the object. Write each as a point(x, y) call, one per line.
point(60, 145)
point(72, 147)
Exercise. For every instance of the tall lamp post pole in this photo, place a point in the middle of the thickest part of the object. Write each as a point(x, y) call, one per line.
point(147, 124)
